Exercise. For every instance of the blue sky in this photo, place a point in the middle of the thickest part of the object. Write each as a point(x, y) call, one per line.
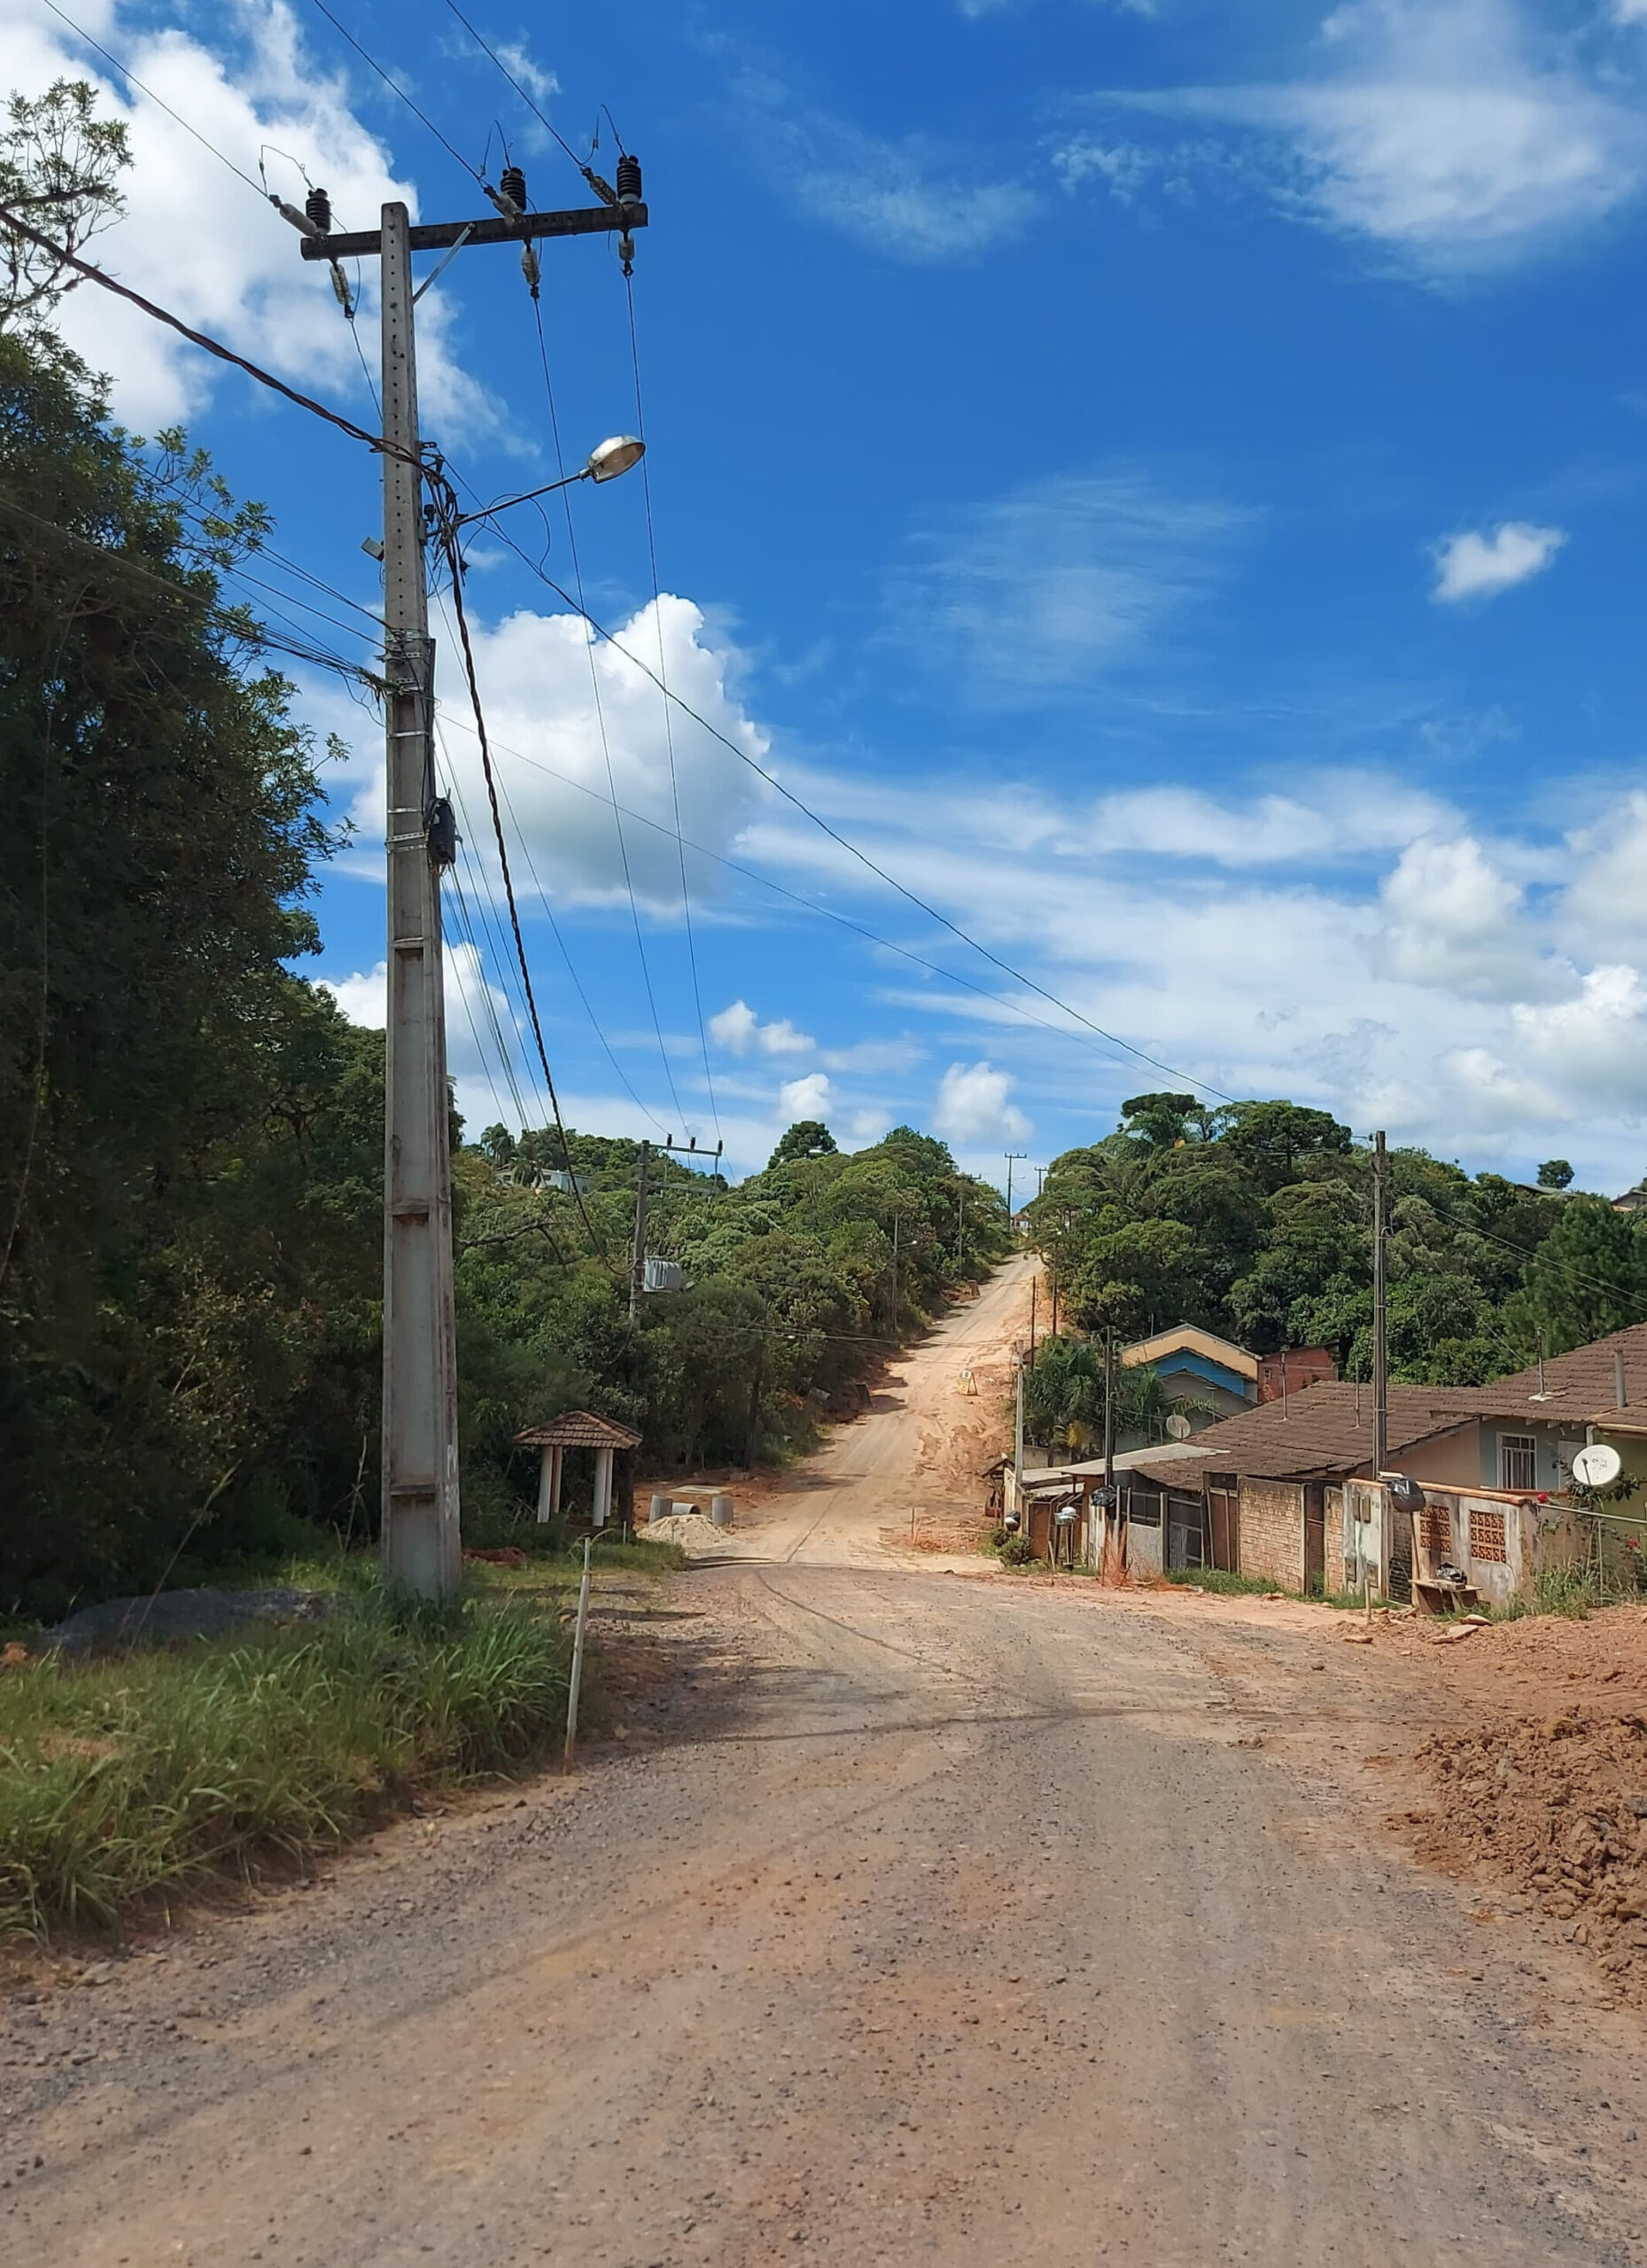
point(1164, 481)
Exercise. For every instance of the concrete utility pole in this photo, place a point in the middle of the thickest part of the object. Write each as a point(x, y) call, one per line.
point(1012, 1157)
point(1380, 1349)
point(420, 1545)
point(637, 1265)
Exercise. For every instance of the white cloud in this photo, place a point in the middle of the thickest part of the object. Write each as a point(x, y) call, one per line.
point(1594, 1043)
point(739, 1030)
point(1045, 589)
point(242, 277)
point(972, 1106)
point(807, 1098)
point(1458, 135)
point(476, 1011)
point(909, 199)
point(1475, 566)
point(539, 677)
point(1451, 918)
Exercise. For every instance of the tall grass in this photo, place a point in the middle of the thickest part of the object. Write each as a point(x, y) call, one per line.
point(123, 1780)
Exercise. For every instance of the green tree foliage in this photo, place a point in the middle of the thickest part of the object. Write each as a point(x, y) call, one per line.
point(190, 1138)
point(808, 1137)
point(1554, 1173)
point(59, 167)
point(1064, 1398)
point(1255, 1222)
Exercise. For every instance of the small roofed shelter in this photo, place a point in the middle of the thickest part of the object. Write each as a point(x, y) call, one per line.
point(577, 1429)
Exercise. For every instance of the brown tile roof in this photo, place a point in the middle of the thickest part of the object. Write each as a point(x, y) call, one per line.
point(1578, 1387)
point(578, 1429)
point(1325, 1429)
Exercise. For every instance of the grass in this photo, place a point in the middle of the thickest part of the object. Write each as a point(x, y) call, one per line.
point(1219, 1580)
point(127, 1780)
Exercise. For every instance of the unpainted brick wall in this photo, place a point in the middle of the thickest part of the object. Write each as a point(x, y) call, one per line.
point(1335, 1570)
point(1273, 1531)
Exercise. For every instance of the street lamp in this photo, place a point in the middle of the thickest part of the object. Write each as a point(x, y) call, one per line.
point(607, 461)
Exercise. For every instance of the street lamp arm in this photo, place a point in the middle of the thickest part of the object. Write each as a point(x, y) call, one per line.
point(606, 462)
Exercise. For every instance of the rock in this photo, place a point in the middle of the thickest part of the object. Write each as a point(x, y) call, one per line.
point(163, 1617)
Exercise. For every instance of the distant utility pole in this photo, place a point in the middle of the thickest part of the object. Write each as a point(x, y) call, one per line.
point(1109, 1432)
point(637, 1265)
point(421, 1546)
point(1381, 1348)
point(1012, 1157)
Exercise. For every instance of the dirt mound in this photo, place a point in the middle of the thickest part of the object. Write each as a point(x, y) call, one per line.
point(693, 1531)
point(1558, 1803)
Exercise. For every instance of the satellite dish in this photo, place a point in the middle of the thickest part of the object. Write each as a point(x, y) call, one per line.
point(1597, 1466)
point(1178, 1426)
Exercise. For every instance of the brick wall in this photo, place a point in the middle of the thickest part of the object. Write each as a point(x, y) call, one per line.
point(1337, 1578)
point(1273, 1531)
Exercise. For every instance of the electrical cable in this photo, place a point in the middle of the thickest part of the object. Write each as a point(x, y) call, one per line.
point(600, 717)
point(467, 938)
point(208, 345)
point(508, 887)
point(126, 73)
point(375, 442)
point(845, 844)
point(669, 728)
point(227, 621)
point(468, 1017)
point(526, 99)
point(395, 88)
point(543, 897)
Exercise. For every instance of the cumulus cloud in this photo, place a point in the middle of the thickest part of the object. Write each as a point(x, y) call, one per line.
point(476, 1011)
point(973, 1107)
point(539, 676)
point(1040, 591)
point(806, 1098)
point(1458, 135)
point(739, 1030)
point(241, 276)
point(1476, 566)
point(1452, 919)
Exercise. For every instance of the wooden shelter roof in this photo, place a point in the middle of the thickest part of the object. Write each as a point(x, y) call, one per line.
point(578, 1429)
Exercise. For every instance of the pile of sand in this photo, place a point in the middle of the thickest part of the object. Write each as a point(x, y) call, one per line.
point(693, 1531)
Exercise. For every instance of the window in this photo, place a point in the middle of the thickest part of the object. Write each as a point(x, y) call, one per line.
point(1517, 1461)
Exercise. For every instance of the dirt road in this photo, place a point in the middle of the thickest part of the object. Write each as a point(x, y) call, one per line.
point(914, 1463)
point(920, 1917)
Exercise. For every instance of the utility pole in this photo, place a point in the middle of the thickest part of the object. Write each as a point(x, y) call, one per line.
point(1109, 1438)
point(895, 1223)
point(1380, 1349)
point(637, 1265)
point(1018, 1442)
point(422, 1551)
point(1034, 1283)
point(421, 1547)
point(1012, 1157)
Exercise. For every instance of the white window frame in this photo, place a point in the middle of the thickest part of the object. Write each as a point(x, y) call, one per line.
point(1517, 1445)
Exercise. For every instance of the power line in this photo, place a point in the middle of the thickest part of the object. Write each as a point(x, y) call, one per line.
point(200, 338)
point(508, 887)
point(159, 101)
point(669, 728)
point(846, 844)
point(375, 442)
point(600, 716)
point(395, 88)
point(544, 900)
point(595, 184)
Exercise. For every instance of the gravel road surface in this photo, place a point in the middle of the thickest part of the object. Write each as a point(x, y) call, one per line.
point(920, 1917)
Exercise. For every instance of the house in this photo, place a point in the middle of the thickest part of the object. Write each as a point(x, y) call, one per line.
point(1200, 1366)
point(1293, 1370)
point(1632, 1201)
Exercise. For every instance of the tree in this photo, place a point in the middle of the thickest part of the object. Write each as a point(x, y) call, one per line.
point(808, 1137)
point(1163, 1120)
point(1554, 1173)
point(1589, 1276)
point(58, 166)
point(154, 1052)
